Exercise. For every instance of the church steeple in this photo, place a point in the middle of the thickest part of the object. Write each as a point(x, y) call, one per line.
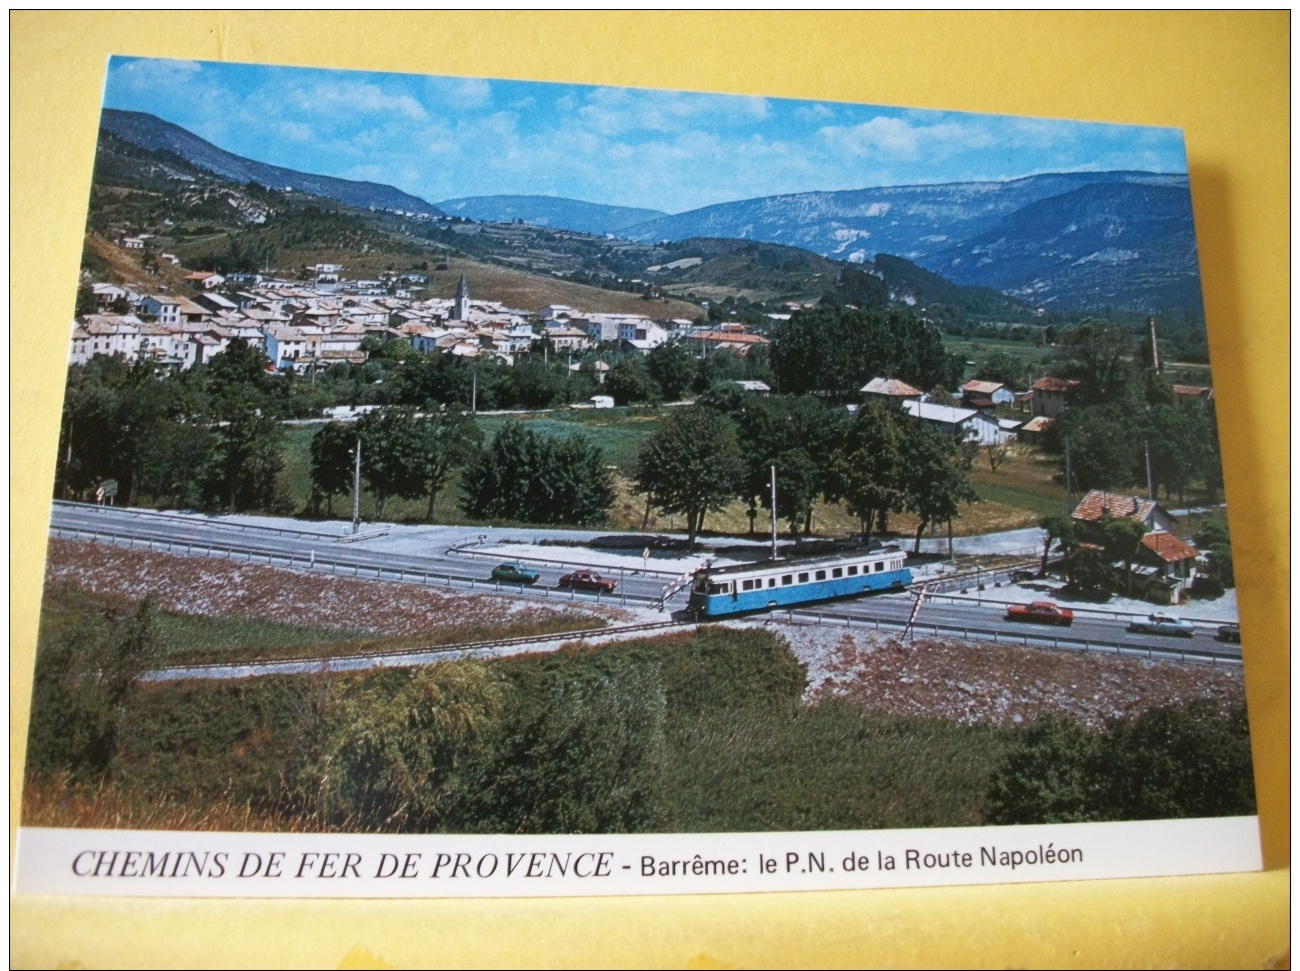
point(460, 309)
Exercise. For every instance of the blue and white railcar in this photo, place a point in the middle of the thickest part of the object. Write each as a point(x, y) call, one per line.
point(785, 583)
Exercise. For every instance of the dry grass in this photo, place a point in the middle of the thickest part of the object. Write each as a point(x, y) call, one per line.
point(528, 291)
point(267, 612)
point(61, 803)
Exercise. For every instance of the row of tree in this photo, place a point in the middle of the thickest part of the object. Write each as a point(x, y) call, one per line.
point(209, 436)
point(834, 351)
point(518, 476)
point(880, 462)
point(1123, 426)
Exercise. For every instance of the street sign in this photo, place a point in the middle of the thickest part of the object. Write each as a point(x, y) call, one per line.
point(109, 488)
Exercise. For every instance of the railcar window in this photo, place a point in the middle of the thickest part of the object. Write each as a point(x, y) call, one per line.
point(880, 565)
point(836, 573)
point(719, 588)
point(771, 581)
point(821, 574)
point(787, 580)
point(803, 578)
point(853, 570)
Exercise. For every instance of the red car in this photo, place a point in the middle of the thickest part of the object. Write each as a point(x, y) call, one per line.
point(586, 580)
point(1041, 612)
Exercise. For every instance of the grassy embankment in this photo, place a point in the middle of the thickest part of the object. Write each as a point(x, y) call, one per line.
point(695, 732)
point(189, 639)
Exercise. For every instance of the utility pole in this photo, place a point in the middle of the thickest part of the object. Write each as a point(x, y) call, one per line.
point(473, 394)
point(774, 556)
point(1069, 496)
point(1151, 492)
point(356, 490)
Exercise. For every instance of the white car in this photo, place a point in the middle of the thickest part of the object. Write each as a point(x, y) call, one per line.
point(1163, 624)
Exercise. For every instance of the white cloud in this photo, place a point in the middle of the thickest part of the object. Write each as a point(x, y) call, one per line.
point(898, 138)
point(345, 98)
point(617, 111)
point(148, 76)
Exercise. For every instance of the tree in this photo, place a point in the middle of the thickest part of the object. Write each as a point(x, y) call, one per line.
point(1003, 368)
point(247, 458)
point(333, 451)
point(835, 351)
point(392, 454)
point(1056, 529)
point(585, 757)
point(1123, 541)
point(1214, 542)
point(1101, 446)
point(1088, 574)
point(673, 368)
point(690, 465)
point(397, 748)
point(799, 436)
point(83, 682)
point(449, 438)
point(934, 484)
point(1100, 355)
point(996, 454)
point(535, 478)
point(867, 469)
point(1179, 761)
point(628, 381)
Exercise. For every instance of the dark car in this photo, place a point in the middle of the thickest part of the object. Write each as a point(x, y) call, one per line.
point(514, 573)
point(587, 580)
point(1229, 632)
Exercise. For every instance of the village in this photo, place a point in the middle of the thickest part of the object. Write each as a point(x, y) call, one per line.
point(303, 327)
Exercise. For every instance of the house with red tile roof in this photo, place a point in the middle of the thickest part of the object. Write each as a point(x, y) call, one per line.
point(1165, 565)
point(1051, 396)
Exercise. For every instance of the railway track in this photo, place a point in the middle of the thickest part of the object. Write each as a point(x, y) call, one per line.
point(407, 657)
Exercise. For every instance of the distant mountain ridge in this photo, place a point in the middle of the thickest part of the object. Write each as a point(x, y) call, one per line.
point(152, 133)
point(552, 211)
point(1070, 241)
point(912, 221)
point(1128, 245)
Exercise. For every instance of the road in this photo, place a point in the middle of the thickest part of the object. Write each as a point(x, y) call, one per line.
point(416, 557)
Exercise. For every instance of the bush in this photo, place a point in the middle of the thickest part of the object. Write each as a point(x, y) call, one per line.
point(1180, 761)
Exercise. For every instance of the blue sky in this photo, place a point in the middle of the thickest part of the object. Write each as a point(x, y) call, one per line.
point(441, 138)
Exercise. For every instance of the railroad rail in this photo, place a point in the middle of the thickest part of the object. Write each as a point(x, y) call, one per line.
point(406, 657)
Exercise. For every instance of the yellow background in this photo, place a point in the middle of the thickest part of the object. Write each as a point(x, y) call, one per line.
point(1223, 78)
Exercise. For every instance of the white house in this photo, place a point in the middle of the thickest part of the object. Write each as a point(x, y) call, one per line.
point(969, 424)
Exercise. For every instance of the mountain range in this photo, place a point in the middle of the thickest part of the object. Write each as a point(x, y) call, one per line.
point(154, 134)
point(553, 211)
point(1066, 241)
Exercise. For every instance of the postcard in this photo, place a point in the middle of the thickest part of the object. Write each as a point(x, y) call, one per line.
point(493, 488)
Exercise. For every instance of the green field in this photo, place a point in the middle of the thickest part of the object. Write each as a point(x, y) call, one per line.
point(974, 349)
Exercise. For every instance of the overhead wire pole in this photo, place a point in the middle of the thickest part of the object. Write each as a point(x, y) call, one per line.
point(774, 556)
point(356, 490)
